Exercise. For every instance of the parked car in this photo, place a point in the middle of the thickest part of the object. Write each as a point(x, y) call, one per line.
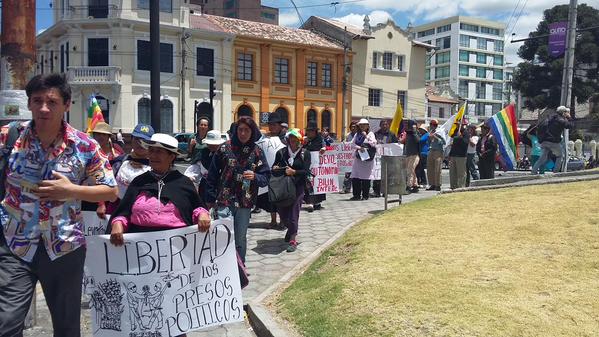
point(183, 139)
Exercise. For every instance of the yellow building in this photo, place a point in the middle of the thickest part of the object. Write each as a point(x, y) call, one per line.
point(294, 72)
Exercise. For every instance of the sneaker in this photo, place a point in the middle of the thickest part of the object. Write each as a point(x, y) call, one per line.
point(431, 188)
point(365, 198)
point(292, 246)
point(287, 237)
point(354, 198)
point(256, 210)
point(310, 208)
point(317, 207)
point(375, 195)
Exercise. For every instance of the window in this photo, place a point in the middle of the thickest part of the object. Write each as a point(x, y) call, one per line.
point(145, 63)
point(165, 5)
point(269, 16)
point(97, 55)
point(283, 113)
point(488, 30)
point(245, 66)
point(481, 91)
point(143, 111)
point(325, 119)
point(471, 28)
point(229, 4)
point(66, 56)
point(375, 59)
point(426, 32)
point(481, 58)
point(400, 62)
point(480, 109)
point(497, 91)
point(42, 64)
point(464, 41)
point(281, 70)
point(481, 72)
point(482, 44)
point(442, 58)
point(427, 74)
point(441, 112)
point(51, 61)
point(444, 42)
point(498, 60)
point(429, 112)
point(441, 72)
point(374, 97)
point(205, 62)
point(442, 29)
point(98, 9)
point(463, 89)
point(499, 46)
point(496, 107)
point(402, 96)
point(312, 116)
point(166, 116)
point(464, 70)
point(498, 74)
point(311, 76)
point(388, 61)
point(326, 75)
point(62, 58)
point(464, 56)
point(428, 59)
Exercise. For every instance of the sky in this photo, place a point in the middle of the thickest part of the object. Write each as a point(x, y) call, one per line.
point(520, 16)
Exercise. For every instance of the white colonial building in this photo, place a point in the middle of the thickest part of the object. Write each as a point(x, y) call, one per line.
point(104, 47)
point(469, 58)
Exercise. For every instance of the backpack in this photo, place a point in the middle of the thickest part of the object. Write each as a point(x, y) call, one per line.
point(14, 131)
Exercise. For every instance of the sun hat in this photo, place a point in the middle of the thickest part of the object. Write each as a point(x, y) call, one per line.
point(102, 127)
point(162, 140)
point(363, 121)
point(143, 131)
point(213, 137)
point(295, 133)
point(274, 117)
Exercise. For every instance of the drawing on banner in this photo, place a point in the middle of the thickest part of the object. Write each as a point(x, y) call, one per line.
point(107, 303)
point(145, 307)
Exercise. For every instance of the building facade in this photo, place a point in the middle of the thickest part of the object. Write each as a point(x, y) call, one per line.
point(251, 10)
point(387, 67)
point(104, 49)
point(293, 72)
point(469, 58)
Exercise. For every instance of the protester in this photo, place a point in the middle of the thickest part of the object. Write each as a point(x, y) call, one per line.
point(353, 128)
point(363, 162)
point(326, 137)
point(102, 133)
point(551, 137)
point(119, 139)
point(486, 149)
point(314, 142)
point(275, 128)
point(238, 168)
point(383, 136)
point(424, 148)
point(195, 145)
point(159, 199)
point(42, 233)
point(293, 161)
point(434, 161)
point(284, 128)
point(198, 172)
point(128, 166)
point(411, 150)
point(470, 154)
point(457, 159)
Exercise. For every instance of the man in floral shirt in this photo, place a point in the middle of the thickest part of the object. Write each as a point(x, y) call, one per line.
point(51, 168)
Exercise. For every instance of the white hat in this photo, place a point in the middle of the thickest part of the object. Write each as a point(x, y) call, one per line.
point(164, 141)
point(363, 121)
point(213, 137)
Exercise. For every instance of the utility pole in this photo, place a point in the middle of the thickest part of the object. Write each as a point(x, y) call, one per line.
point(566, 98)
point(344, 88)
point(184, 37)
point(155, 61)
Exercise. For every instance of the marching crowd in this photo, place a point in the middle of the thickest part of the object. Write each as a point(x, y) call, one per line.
point(51, 172)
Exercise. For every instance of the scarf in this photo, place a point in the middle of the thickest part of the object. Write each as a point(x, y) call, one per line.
point(359, 138)
point(292, 154)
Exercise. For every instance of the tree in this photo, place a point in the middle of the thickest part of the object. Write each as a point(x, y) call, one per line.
point(539, 78)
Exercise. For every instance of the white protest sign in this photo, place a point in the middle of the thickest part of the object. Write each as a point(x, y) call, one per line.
point(92, 224)
point(270, 146)
point(392, 149)
point(165, 283)
point(345, 156)
point(376, 168)
point(325, 171)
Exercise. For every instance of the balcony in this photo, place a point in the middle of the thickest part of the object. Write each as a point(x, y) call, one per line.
point(91, 12)
point(94, 75)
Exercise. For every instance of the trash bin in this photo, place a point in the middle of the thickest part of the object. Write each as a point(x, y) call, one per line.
point(393, 176)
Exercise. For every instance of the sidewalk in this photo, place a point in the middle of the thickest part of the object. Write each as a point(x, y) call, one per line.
point(267, 261)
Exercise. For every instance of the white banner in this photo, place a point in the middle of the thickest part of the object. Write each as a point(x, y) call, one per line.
point(165, 283)
point(345, 156)
point(270, 146)
point(92, 224)
point(325, 172)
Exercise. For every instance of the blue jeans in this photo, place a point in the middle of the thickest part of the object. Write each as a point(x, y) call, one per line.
point(546, 148)
point(241, 222)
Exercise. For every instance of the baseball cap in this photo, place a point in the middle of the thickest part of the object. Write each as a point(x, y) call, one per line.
point(143, 131)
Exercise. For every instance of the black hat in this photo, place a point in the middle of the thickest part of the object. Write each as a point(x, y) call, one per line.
point(312, 126)
point(274, 117)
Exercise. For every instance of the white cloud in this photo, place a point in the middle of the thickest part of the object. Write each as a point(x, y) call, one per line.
point(357, 20)
point(288, 19)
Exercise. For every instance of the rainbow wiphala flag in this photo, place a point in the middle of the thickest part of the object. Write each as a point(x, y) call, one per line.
point(504, 127)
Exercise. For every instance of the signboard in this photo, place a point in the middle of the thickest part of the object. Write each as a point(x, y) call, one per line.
point(270, 146)
point(325, 171)
point(557, 38)
point(164, 283)
point(345, 156)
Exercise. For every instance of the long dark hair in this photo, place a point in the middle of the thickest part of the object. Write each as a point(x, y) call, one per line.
point(252, 125)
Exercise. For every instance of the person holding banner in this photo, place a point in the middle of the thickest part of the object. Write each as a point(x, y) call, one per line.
point(159, 199)
point(314, 142)
point(361, 170)
point(42, 235)
point(238, 168)
point(353, 129)
point(293, 161)
point(434, 161)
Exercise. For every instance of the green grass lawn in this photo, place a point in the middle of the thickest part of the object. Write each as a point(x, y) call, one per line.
point(508, 262)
